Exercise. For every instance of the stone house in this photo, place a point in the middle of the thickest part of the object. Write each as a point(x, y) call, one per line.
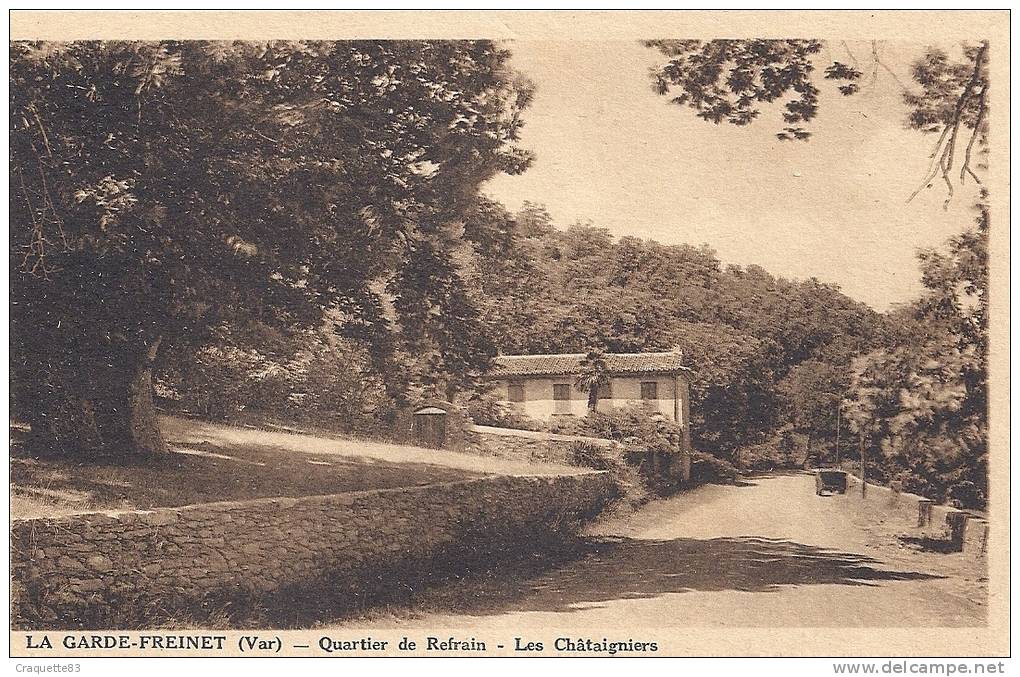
point(543, 387)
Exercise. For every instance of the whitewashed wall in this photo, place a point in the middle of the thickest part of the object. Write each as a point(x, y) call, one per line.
point(539, 403)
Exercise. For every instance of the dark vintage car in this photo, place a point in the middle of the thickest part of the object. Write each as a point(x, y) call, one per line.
point(828, 482)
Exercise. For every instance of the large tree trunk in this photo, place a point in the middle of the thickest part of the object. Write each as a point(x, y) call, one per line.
point(83, 347)
point(104, 410)
point(126, 423)
point(143, 436)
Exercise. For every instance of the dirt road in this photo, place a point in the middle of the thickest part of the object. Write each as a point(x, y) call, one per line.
point(768, 553)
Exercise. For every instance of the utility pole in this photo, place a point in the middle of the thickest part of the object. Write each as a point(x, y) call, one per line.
point(864, 477)
point(839, 409)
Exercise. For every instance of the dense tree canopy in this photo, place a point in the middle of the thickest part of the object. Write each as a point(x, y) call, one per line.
point(923, 402)
point(158, 189)
point(812, 393)
point(740, 329)
point(920, 399)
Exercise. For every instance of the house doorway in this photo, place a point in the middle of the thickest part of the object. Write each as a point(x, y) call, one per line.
point(429, 428)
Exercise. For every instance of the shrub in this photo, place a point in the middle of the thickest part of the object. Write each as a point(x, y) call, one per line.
point(786, 449)
point(706, 469)
point(631, 484)
point(634, 425)
point(595, 456)
point(967, 494)
point(487, 409)
point(331, 384)
point(220, 381)
point(652, 447)
point(309, 377)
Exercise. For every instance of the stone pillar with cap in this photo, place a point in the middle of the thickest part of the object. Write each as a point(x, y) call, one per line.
point(924, 508)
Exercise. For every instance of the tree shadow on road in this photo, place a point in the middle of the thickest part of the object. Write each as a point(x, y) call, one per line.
point(622, 568)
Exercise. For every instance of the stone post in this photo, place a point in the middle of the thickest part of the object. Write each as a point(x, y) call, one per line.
point(957, 523)
point(924, 512)
point(976, 538)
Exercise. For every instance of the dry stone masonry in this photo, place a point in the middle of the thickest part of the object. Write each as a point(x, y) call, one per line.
point(229, 560)
point(526, 445)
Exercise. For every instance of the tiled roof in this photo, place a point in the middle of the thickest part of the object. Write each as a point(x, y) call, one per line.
point(570, 363)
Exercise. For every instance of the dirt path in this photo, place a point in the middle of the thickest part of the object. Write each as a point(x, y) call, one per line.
point(770, 553)
point(186, 432)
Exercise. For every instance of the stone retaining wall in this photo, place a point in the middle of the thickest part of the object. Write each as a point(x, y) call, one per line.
point(228, 561)
point(527, 444)
point(643, 471)
point(921, 517)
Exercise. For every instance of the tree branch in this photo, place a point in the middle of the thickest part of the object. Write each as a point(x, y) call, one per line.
point(965, 169)
point(947, 157)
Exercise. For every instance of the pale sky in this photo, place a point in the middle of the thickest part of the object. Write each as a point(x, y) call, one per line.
point(611, 151)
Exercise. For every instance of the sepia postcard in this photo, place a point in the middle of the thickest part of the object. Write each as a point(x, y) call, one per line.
point(509, 333)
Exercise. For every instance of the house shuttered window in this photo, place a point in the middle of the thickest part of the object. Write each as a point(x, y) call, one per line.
point(515, 392)
point(649, 390)
point(561, 396)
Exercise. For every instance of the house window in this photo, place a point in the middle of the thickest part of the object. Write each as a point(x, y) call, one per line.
point(515, 392)
point(606, 391)
point(649, 390)
point(561, 396)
